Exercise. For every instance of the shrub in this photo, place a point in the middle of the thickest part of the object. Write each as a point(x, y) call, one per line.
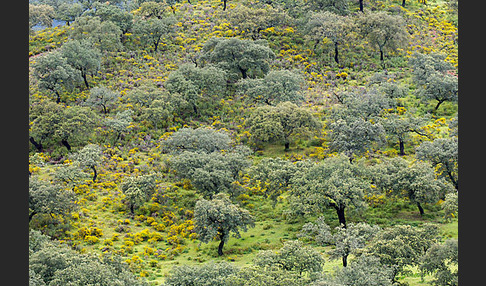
point(153, 263)
point(84, 232)
point(108, 242)
point(90, 239)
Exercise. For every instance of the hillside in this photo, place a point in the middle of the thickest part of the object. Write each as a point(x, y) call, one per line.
point(299, 111)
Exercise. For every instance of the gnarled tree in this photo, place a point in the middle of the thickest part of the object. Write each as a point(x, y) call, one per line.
point(334, 27)
point(277, 86)
point(219, 218)
point(240, 58)
point(333, 182)
point(384, 31)
point(281, 123)
point(89, 157)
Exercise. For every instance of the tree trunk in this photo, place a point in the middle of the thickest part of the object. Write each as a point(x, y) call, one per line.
point(341, 216)
point(243, 73)
point(156, 45)
point(351, 159)
point(336, 53)
point(449, 174)
point(403, 3)
point(438, 104)
point(123, 38)
point(287, 146)
point(402, 147)
point(256, 35)
point(421, 210)
point(104, 109)
point(95, 173)
point(456, 184)
point(32, 215)
point(361, 5)
point(85, 80)
point(118, 135)
point(66, 143)
point(58, 99)
point(382, 59)
point(37, 146)
point(132, 210)
point(221, 244)
point(194, 107)
point(345, 260)
point(224, 5)
point(339, 98)
point(394, 275)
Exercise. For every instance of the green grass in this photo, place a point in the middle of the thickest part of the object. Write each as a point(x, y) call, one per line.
point(271, 228)
point(270, 231)
point(451, 230)
point(278, 151)
point(47, 39)
point(240, 251)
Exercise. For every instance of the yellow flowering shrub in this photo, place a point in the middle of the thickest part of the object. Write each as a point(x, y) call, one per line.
point(158, 226)
point(154, 237)
point(144, 273)
point(91, 239)
point(84, 232)
point(148, 251)
point(108, 242)
point(375, 200)
point(129, 243)
point(150, 220)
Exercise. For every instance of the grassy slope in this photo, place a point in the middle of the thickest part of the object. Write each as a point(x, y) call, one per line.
point(102, 206)
point(269, 232)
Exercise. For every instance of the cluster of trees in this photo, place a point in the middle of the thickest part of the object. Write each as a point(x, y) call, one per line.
point(380, 255)
point(328, 24)
point(153, 21)
point(207, 158)
point(52, 263)
point(52, 125)
point(56, 197)
point(293, 264)
point(224, 64)
point(96, 28)
point(325, 21)
point(433, 76)
point(335, 182)
point(362, 121)
point(384, 31)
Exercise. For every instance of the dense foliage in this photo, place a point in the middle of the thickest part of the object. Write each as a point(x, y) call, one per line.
point(244, 142)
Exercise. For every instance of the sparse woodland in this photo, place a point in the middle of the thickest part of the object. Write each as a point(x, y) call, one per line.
point(243, 142)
